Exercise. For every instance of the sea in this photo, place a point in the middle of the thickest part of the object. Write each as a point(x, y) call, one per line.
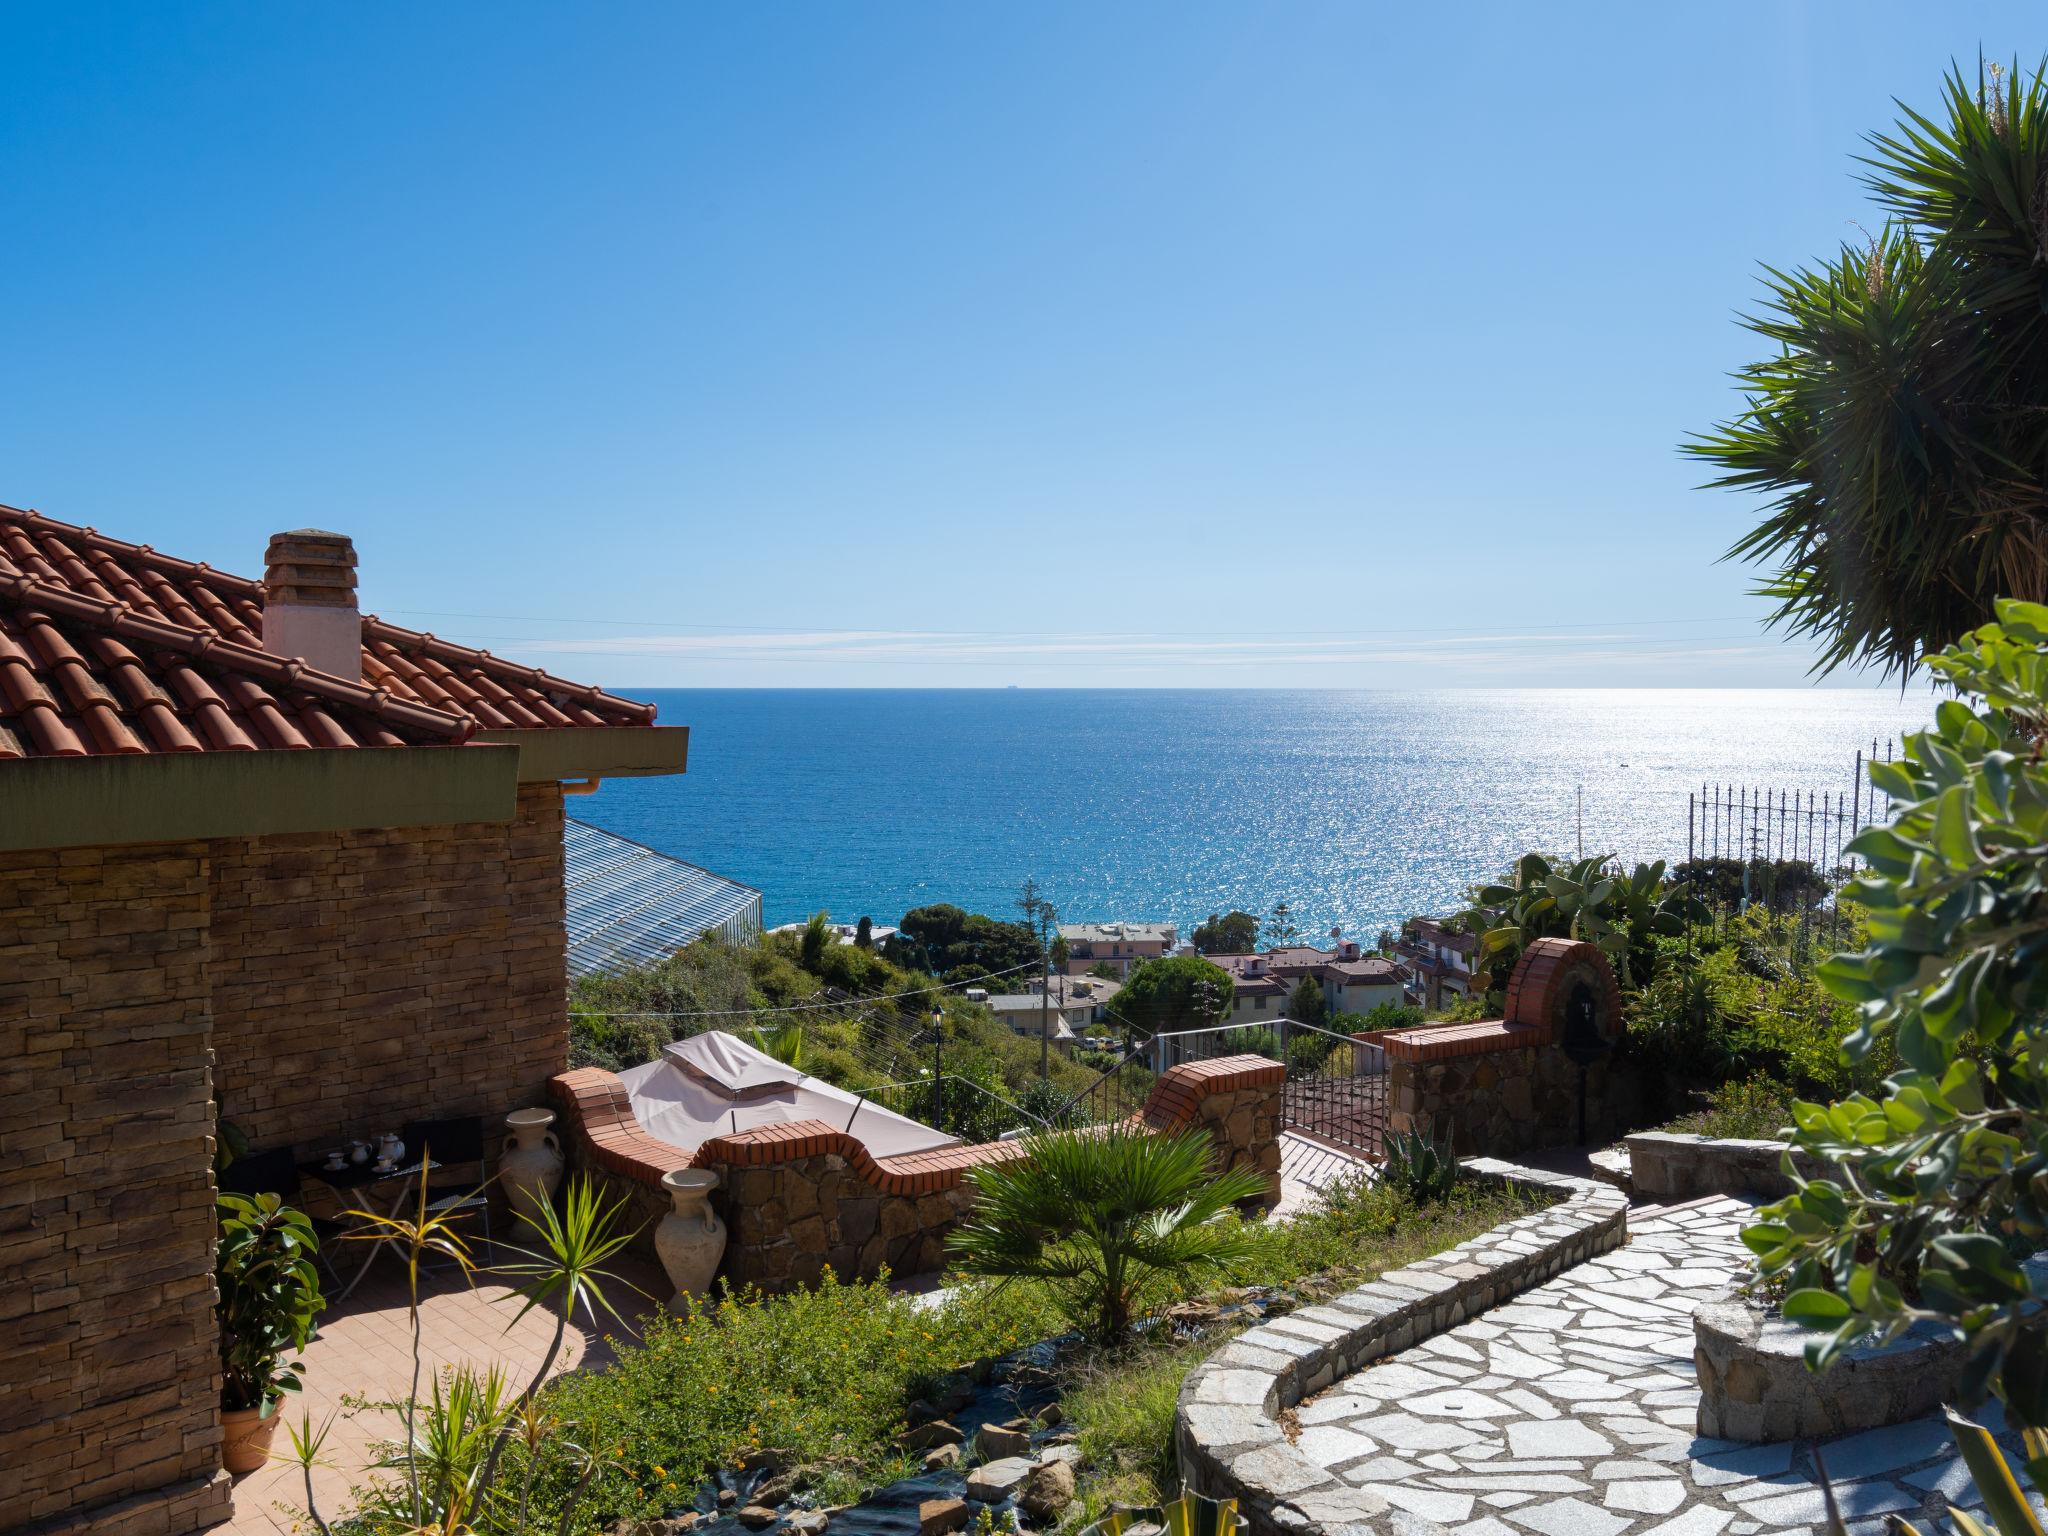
point(1355, 808)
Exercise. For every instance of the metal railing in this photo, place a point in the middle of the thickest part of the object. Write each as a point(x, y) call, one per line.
point(1333, 1107)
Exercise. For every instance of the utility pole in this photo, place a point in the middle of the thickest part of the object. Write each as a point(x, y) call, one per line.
point(1046, 918)
point(1041, 915)
point(938, 1067)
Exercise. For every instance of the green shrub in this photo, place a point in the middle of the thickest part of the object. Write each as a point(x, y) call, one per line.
point(1943, 1175)
point(1757, 1109)
point(1385, 1016)
point(824, 1374)
point(1308, 1049)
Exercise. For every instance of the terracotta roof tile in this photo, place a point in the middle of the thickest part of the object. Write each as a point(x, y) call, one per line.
point(108, 647)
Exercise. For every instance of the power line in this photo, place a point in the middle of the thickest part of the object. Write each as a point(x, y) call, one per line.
point(755, 1013)
point(892, 631)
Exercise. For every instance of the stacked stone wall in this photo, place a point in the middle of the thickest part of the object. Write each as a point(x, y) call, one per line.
point(109, 1374)
point(363, 979)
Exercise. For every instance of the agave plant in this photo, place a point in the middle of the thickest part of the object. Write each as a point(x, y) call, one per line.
point(1419, 1166)
point(454, 1442)
point(1108, 1217)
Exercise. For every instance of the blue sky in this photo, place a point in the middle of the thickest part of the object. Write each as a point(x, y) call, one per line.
point(943, 345)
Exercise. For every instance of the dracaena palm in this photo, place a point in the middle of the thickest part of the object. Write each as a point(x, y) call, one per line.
point(1107, 1217)
point(1899, 426)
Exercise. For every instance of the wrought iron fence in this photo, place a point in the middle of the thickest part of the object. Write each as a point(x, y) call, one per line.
point(1333, 1106)
point(1785, 851)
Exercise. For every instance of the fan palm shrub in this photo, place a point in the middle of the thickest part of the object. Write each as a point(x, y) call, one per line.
point(1899, 423)
point(1107, 1219)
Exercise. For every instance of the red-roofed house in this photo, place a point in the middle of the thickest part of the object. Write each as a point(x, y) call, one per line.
point(1351, 981)
point(258, 848)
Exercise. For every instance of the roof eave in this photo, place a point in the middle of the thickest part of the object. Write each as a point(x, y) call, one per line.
point(595, 751)
point(153, 797)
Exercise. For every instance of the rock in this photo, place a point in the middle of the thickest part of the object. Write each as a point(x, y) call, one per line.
point(1060, 1437)
point(674, 1526)
point(809, 1522)
point(993, 1482)
point(1051, 1416)
point(1067, 1452)
point(926, 1436)
point(955, 1393)
point(1047, 1489)
point(995, 1441)
point(757, 1517)
point(777, 1489)
point(727, 1498)
point(767, 1459)
point(920, 1410)
point(935, 1517)
point(940, 1457)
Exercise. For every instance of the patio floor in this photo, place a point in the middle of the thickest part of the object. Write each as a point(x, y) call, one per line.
point(1569, 1411)
point(364, 1352)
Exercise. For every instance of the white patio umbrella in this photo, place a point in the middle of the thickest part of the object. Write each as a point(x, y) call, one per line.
point(715, 1083)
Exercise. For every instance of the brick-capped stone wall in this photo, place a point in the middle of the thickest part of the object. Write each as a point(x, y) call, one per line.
point(361, 979)
point(109, 1380)
point(1505, 1086)
point(800, 1195)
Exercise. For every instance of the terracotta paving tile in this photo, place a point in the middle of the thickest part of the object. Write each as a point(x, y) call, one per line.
point(364, 1351)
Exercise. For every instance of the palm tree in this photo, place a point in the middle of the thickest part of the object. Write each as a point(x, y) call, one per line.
point(1900, 423)
point(1107, 1217)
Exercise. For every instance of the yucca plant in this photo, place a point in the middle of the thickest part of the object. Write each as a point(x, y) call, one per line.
point(1107, 1218)
point(1899, 422)
point(1188, 1515)
point(454, 1445)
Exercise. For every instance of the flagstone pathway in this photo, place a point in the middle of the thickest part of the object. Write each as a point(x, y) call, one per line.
point(1569, 1411)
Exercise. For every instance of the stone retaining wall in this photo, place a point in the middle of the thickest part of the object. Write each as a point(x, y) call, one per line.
point(800, 1195)
point(1755, 1386)
point(1227, 1427)
point(1668, 1165)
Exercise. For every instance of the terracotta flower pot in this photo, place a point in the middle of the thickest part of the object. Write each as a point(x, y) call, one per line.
point(245, 1438)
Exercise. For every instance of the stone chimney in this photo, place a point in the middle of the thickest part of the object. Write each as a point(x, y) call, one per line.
point(309, 601)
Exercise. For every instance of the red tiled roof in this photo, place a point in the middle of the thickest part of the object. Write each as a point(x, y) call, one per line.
point(110, 647)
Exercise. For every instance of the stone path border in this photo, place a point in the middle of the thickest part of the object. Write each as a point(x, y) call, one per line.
point(1227, 1426)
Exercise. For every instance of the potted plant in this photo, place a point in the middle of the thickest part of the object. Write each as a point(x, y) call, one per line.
point(269, 1299)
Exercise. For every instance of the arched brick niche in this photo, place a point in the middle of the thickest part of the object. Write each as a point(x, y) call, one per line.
point(1558, 980)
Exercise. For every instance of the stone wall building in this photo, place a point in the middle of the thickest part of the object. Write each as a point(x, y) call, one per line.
point(258, 848)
